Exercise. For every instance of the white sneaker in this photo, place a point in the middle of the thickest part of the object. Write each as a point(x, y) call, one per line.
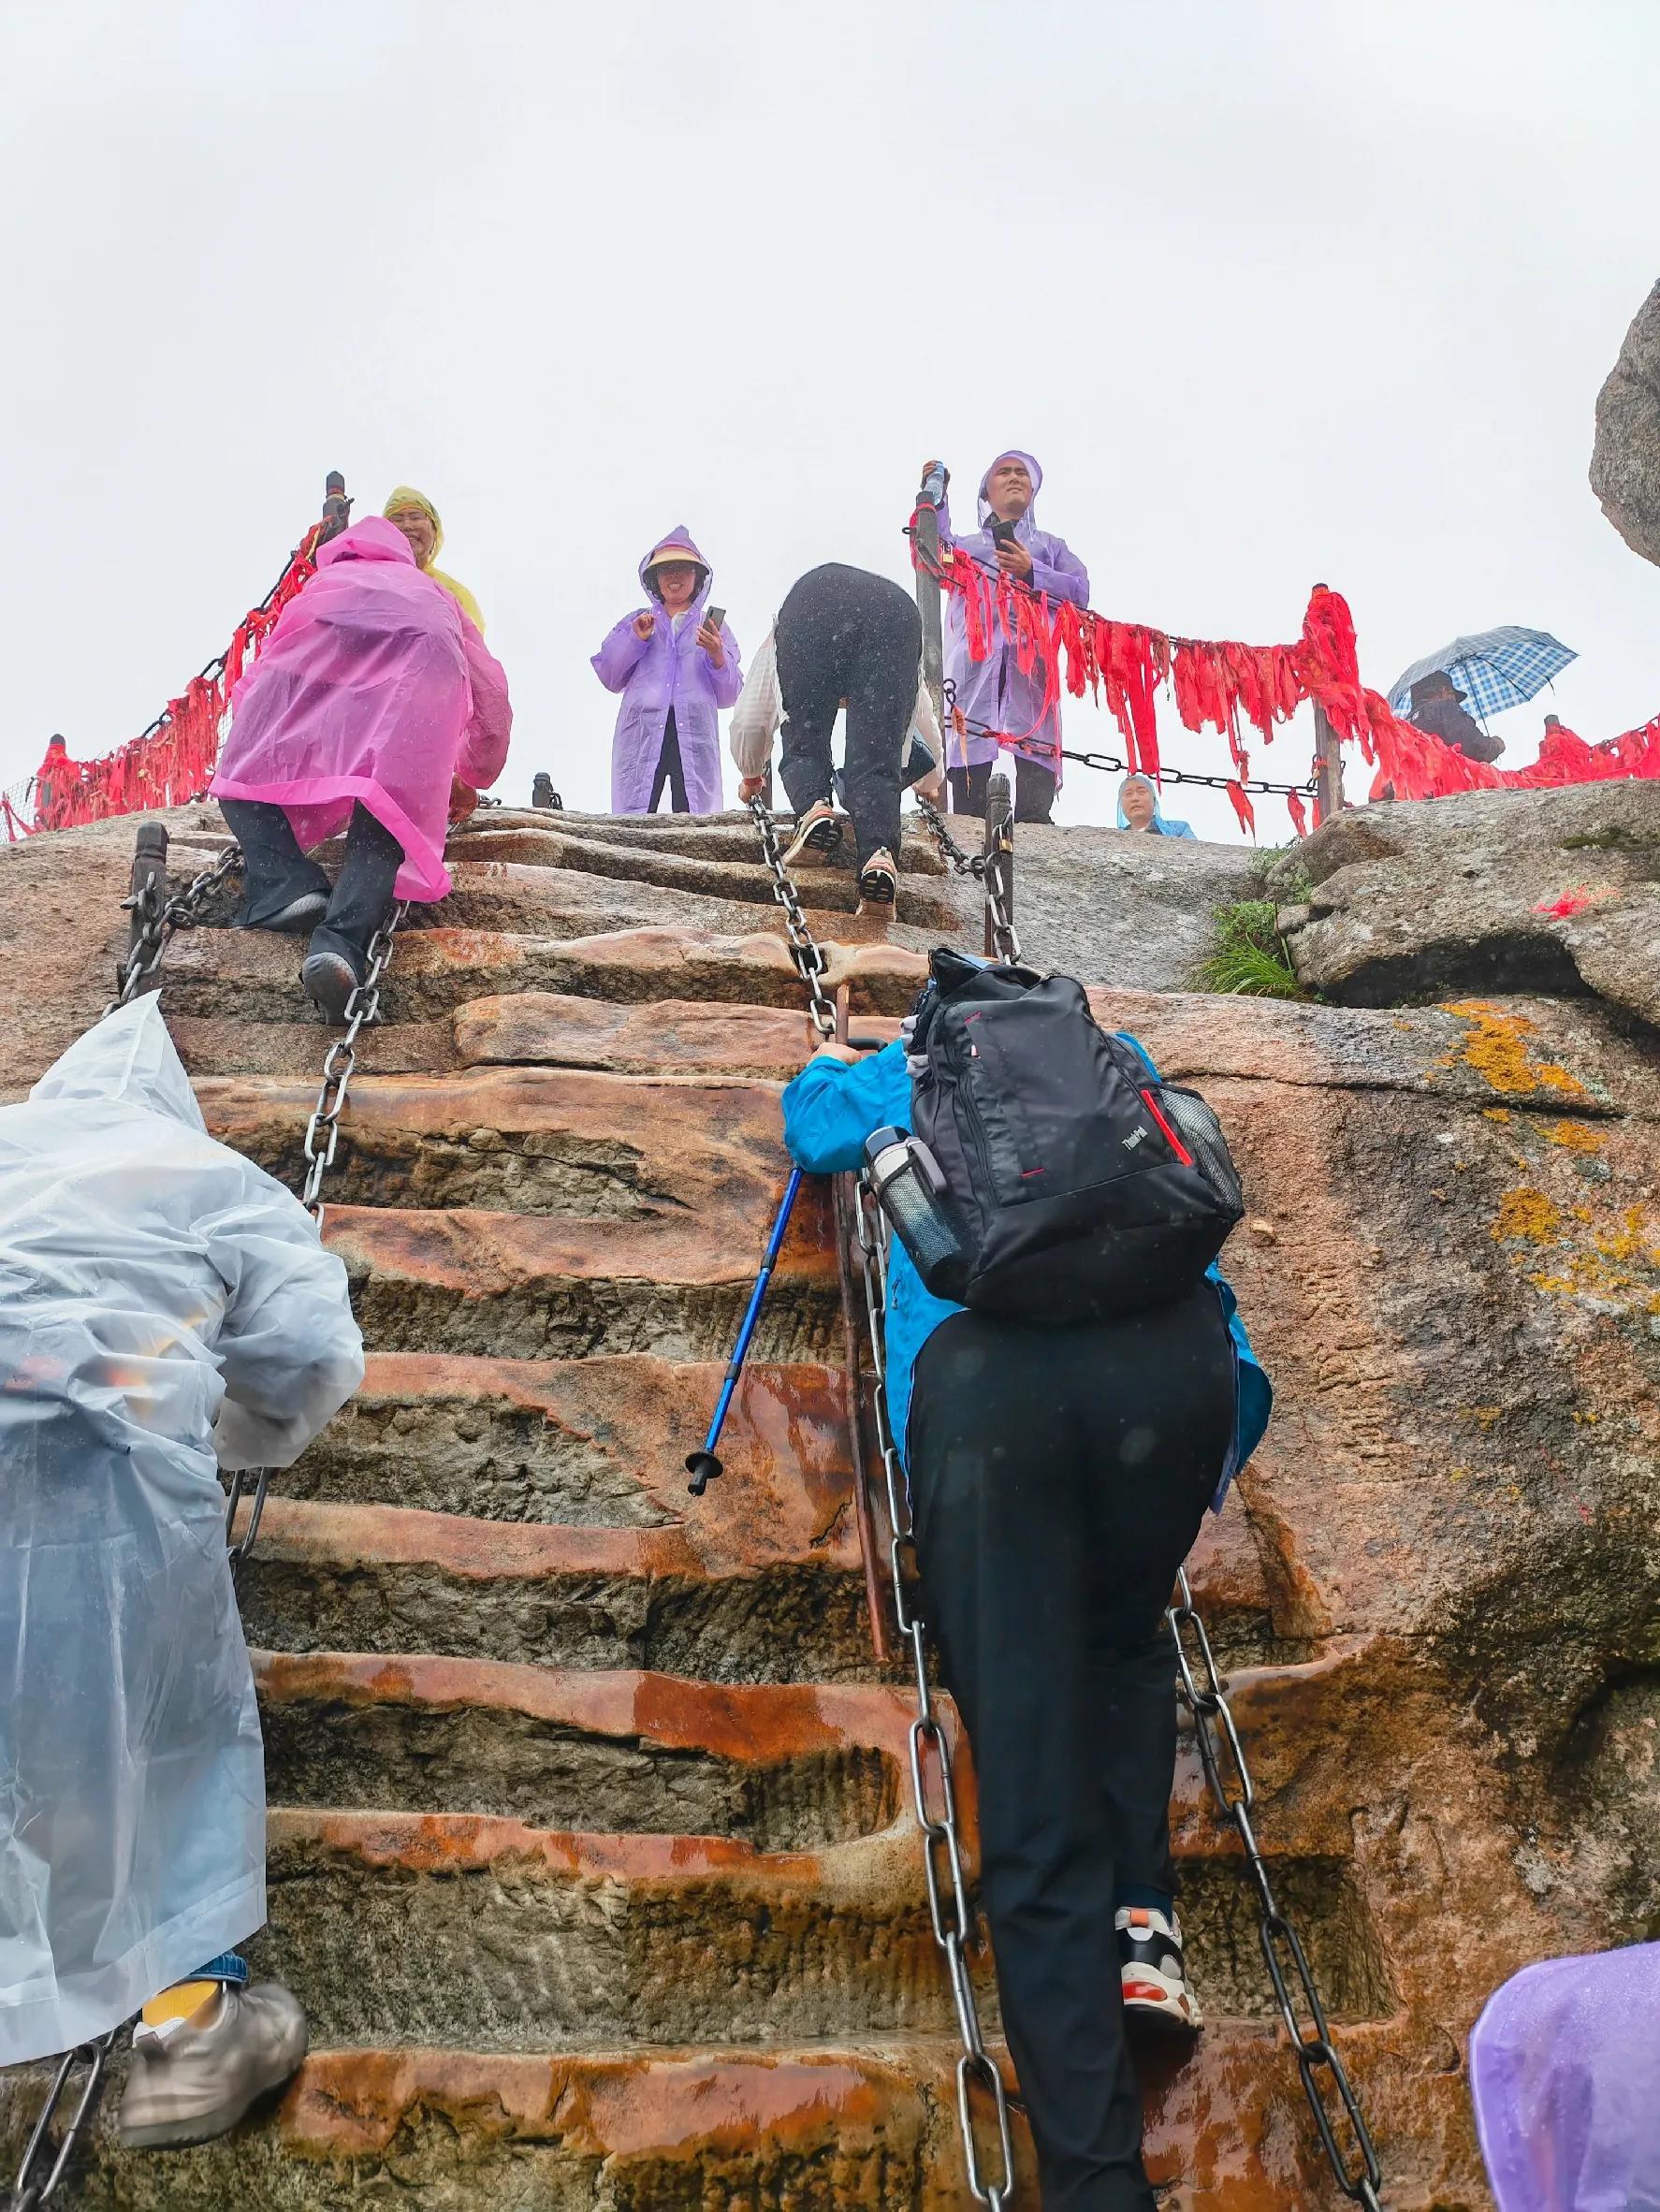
point(193, 2079)
point(1153, 1970)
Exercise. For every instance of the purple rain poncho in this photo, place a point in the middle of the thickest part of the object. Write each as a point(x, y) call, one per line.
point(993, 690)
point(1566, 2084)
point(667, 670)
point(373, 686)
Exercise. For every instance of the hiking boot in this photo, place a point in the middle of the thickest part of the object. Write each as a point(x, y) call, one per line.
point(192, 2079)
point(818, 833)
point(328, 978)
point(879, 878)
point(1154, 1971)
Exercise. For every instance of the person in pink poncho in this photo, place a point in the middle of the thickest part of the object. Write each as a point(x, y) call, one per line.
point(375, 708)
point(676, 670)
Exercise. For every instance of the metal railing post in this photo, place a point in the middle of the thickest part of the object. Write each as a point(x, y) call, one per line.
point(998, 853)
point(929, 596)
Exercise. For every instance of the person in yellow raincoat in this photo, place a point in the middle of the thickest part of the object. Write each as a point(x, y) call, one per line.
point(415, 516)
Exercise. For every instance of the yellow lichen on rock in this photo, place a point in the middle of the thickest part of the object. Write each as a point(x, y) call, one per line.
point(1497, 1047)
point(1527, 1214)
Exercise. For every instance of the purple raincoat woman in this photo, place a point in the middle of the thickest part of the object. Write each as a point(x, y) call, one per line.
point(675, 672)
point(994, 690)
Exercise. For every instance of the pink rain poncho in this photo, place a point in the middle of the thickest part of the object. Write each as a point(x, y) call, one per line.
point(667, 670)
point(994, 690)
point(373, 685)
point(1566, 2084)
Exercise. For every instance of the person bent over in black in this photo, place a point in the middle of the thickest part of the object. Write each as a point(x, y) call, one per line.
point(1059, 1476)
point(843, 638)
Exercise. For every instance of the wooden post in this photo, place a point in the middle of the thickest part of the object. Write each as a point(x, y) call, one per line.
point(337, 508)
point(1328, 793)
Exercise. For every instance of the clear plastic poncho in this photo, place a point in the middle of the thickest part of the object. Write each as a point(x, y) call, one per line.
point(159, 1296)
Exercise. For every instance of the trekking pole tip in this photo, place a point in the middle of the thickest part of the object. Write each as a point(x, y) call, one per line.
point(703, 1467)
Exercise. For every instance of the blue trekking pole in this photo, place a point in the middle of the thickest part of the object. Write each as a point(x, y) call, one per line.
point(702, 1466)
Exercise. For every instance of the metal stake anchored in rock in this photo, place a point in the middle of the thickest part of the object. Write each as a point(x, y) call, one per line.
point(702, 1466)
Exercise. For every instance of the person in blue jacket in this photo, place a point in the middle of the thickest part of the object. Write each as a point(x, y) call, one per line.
point(1139, 808)
point(1058, 1477)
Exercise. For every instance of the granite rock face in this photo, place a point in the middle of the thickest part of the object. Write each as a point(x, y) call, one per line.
point(591, 1851)
point(1550, 891)
point(1625, 456)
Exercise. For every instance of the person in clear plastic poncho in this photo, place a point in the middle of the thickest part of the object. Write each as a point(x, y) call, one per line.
point(165, 1309)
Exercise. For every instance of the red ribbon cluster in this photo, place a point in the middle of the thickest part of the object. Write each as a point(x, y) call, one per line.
point(1233, 687)
point(173, 761)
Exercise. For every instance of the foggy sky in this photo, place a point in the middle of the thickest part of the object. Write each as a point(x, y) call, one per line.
point(1276, 292)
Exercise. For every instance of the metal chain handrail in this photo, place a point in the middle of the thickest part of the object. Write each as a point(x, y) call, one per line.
point(38, 2180)
point(1203, 1693)
point(949, 1910)
point(953, 1931)
point(976, 865)
point(805, 949)
point(340, 1063)
point(158, 917)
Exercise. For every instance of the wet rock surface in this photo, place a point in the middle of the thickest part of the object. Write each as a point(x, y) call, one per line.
point(590, 1842)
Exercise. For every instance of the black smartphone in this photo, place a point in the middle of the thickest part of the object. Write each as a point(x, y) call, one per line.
point(1002, 533)
point(717, 615)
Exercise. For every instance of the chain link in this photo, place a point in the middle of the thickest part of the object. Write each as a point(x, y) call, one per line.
point(978, 865)
point(159, 916)
point(1222, 1755)
point(805, 949)
point(933, 1792)
point(38, 2179)
point(340, 1063)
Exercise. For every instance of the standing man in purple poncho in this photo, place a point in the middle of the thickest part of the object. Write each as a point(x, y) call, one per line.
point(995, 690)
point(675, 669)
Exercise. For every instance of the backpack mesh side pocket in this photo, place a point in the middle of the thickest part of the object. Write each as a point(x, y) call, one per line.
point(1199, 1130)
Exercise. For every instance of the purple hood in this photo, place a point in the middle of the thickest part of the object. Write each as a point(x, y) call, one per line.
point(679, 535)
point(1029, 521)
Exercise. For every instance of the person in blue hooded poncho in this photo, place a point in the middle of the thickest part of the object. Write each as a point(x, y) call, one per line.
point(1058, 1477)
point(1139, 808)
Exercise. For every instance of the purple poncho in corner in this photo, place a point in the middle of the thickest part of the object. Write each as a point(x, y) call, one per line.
point(668, 669)
point(1566, 2084)
point(994, 690)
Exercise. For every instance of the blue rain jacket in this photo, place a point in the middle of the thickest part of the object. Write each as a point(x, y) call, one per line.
point(829, 1111)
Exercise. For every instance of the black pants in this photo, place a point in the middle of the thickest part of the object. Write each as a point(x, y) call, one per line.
point(1034, 789)
point(669, 771)
point(843, 633)
point(276, 872)
point(1058, 1477)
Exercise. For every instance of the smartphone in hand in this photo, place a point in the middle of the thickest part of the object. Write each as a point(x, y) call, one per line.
point(714, 616)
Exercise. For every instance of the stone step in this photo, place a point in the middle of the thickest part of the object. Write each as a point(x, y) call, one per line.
point(594, 1443)
point(864, 2126)
point(671, 1599)
point(514, 859)
point(580, 1144)
point(782, 1768)
point(539, 1286)
point(251, 976)
point(731, 837)
point(555, 1029)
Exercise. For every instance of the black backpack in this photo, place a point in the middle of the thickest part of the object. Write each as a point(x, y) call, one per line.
point(1077, 1186)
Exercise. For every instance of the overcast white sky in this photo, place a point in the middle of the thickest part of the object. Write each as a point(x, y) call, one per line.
point(1280, 291)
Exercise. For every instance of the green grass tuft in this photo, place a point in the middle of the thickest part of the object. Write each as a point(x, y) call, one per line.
point(1250, 960)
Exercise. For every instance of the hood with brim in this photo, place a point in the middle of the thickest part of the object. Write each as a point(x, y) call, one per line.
point(676, 537)
point(127, 1059)
point(1029, 521)
point(370, 540)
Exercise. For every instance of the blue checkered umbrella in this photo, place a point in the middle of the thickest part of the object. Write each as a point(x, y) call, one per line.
point(1495, 669)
